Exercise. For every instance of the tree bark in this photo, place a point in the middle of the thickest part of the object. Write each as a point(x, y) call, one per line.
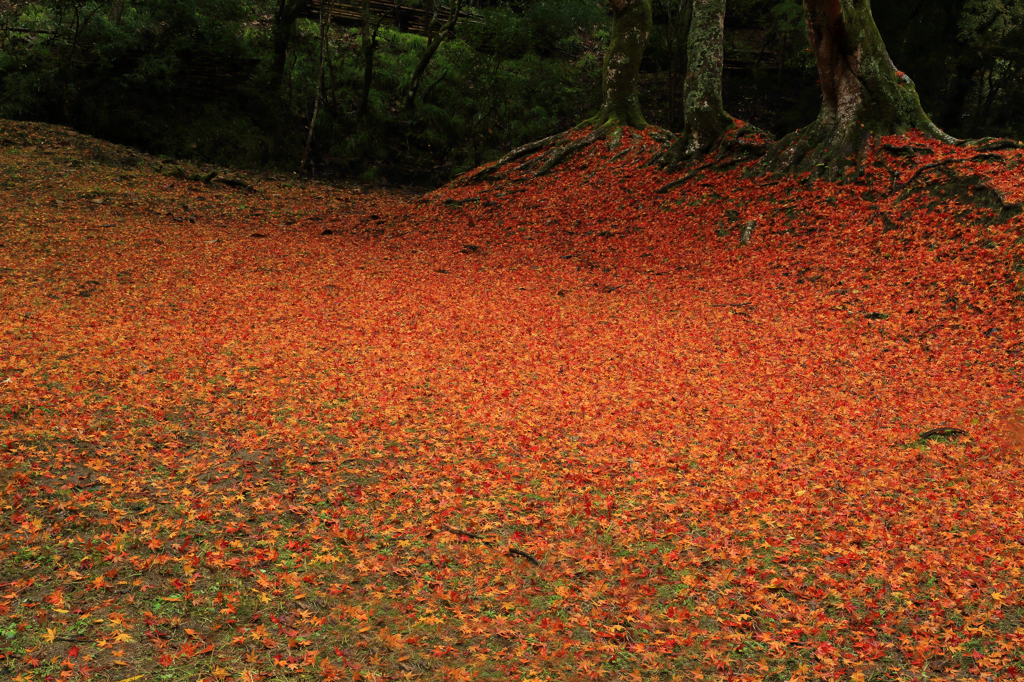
point(705, 120)
point(863, 94)
point(631, 26)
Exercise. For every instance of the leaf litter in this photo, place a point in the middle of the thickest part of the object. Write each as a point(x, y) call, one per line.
point(607, 442)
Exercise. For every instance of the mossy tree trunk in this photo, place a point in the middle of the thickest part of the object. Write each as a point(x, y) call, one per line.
point(863, 94)
point(631, 26)
point(705, 120)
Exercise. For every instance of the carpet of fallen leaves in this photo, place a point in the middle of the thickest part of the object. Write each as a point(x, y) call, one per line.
point(563, 428)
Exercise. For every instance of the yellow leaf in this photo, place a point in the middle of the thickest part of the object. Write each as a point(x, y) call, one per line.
point(998, 595)
point(123, 637)
point(50, 635)
point(221, 674)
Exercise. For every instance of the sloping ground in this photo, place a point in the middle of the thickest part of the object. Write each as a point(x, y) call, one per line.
point(236, 447)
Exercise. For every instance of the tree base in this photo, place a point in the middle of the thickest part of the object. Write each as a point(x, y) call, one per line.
point(822, 152)
point(841, 155)
point(740, 142)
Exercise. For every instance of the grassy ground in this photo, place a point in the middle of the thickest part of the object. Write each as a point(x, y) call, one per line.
point(560, 429)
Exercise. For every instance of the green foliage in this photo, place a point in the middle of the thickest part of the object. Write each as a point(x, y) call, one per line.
point(473, 106)
point(157, 74)
point(198, 78)
point(558, 25)
point(965, 57)
point(191, 80)
point(993, 32)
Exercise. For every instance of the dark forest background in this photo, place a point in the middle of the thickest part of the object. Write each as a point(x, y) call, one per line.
point(235, 82)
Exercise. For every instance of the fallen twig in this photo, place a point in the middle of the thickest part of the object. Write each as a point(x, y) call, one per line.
point(511, 550)
point(941, 431)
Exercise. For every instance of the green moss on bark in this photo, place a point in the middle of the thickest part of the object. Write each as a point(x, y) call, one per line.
point(706, 119)
point(631, 27)
point(863, 94)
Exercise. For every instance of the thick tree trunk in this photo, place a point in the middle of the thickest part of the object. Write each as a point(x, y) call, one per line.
point(863, 94)
point(705, 120)
point(631, 26)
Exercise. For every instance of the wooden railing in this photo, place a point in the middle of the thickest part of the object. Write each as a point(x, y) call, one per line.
point(388, 12)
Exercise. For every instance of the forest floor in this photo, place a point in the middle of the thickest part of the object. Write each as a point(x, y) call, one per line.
point(563, 428)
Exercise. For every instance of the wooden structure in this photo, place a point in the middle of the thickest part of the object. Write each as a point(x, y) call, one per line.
point(388, 12)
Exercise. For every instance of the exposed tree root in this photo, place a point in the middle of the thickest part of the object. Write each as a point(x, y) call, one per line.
point(563, 152)
point(842, 155)
point(680, 181)
point(906, 172)
point(947, 162)
point(553, 151)
point(992, 144)
point(908, 150)
point(488, 172)
point(543, 156)
point(741, 142)
point(972, 189)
